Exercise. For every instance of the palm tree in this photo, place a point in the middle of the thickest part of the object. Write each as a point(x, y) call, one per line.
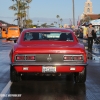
point(55, 22)
point(15, 7)
point(44, 25)
point(20, 7)
point(87, 18)
point(28, 22)
point(61, 20)
point(58, 18)
point(38, 22)
point(52, 23)
point(28, 2)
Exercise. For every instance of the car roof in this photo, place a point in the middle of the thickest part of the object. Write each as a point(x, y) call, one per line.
point(48, 29)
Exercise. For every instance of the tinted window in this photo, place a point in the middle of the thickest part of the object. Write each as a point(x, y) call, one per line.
point(48, 36)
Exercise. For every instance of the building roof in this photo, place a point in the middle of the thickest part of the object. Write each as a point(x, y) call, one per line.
point(3, 23)
point(94, 16)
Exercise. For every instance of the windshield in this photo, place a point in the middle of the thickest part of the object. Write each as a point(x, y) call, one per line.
point(57, 36)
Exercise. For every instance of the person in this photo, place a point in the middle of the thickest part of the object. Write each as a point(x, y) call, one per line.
point(84, 31)
point(63, 37)
point(90, 37)
point(80, 33)
point(66, 26)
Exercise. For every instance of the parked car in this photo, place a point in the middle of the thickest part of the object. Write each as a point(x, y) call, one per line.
point(0, 35)
point(98, 33)
point(4, 32)
point(97, 40)
point(48, 51)
point(13, 32)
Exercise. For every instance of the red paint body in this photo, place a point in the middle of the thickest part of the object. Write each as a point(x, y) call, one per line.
point(59, 69)
point(47, 47)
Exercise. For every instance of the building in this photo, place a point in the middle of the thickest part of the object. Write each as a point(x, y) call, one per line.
point(88, 8)
point(5, 24)
point(89, 16)
point(88, 11)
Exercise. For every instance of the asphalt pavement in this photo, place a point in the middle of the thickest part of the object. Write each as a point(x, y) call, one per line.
point(48, 87)
point(95, 49)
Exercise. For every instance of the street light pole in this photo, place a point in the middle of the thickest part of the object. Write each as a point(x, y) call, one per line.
point(18, 12)
point(73, 13)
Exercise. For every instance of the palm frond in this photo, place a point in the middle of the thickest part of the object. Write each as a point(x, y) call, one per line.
point(13, 8)
point(28, 1)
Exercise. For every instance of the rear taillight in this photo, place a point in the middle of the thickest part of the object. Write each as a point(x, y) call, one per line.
point(30, 57)
point(68, 58)
point(20, 57)
point(25, 57)
point(73, 57)
point(77, 58)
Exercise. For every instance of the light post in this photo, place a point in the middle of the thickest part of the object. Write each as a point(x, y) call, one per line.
point(18, 12)
point(73, 13)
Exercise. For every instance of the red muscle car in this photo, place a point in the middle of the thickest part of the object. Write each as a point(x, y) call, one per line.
point(48, 51)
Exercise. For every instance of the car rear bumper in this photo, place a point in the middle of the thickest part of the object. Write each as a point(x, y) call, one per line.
point(12, 38)
point(38, 67)
point(49, 63)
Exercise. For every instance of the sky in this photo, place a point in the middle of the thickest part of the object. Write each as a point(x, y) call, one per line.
point(45, 11)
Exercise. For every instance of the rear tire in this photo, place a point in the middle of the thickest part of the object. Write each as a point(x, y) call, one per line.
point(80, 77)
point(14, 76)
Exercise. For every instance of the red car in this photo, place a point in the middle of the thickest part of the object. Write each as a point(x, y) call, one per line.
point(48, 51)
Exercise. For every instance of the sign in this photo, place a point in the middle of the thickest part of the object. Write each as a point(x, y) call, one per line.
point(4, 24)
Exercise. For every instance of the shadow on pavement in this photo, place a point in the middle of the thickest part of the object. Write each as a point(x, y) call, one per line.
point(48, 88)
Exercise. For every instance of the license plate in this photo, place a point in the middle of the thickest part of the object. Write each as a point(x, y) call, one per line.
point(49, 69)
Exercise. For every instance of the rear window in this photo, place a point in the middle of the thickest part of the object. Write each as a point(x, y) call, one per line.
point(13, 29)
point(57, 36)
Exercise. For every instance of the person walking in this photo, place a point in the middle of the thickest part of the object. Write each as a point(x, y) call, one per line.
point(90, 37)
point(84, 31)
point(80, 33)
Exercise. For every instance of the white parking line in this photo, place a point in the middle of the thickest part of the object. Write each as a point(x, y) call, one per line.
point(5, 90)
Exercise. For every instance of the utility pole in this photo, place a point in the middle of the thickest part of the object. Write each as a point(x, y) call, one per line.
point(18, 12)
point(73, 13)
